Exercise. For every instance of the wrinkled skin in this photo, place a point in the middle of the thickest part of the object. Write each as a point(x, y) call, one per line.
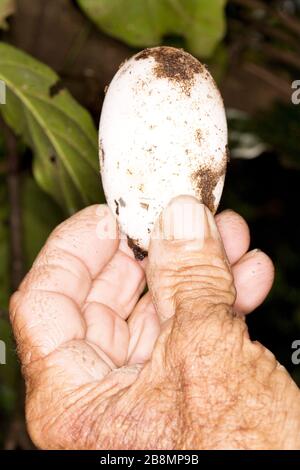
point(173, 370)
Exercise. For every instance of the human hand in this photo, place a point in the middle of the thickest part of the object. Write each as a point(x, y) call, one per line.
point(173, 370)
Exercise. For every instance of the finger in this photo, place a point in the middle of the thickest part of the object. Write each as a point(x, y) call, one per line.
point(45, 313)
point(75, 252)
point(253, 277)
point(113, 296)
point(187, 264)
point(108, 331)
point(119, 285)
point(144, 328)
point(233, 229)
point(235, 234)
point(90, 235)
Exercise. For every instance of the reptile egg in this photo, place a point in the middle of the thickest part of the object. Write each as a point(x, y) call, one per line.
point(163, 133)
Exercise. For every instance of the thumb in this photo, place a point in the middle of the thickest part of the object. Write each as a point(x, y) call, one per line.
point(187, 271)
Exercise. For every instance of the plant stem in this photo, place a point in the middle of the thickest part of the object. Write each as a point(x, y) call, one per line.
point(280, 84)
point(15, 217)
point(17, 436)
point(3, 314)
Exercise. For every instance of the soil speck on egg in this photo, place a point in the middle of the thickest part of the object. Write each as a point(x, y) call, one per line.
point(122, 202)
point(101, 153)
point(205, 180)
point(139, 254)
point(117, 207)
point(174, 64)
point(198, 136)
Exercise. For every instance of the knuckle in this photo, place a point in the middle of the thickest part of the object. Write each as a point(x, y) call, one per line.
point(208, 284)
point(14, 303)
point(23, 349)
point(203, 296)
point(207, 350)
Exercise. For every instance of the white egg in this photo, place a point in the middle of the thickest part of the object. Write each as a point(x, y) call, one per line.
point(163, 133)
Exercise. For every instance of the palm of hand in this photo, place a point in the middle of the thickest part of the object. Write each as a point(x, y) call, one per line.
point(106, 369)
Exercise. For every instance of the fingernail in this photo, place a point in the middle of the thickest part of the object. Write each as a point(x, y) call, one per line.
point(184, 219)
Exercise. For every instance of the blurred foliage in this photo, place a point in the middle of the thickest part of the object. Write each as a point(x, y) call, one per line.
point(266, 194)
point(280, 127)
point(7, 7)
point(9, 373)
point(60, 132)
point(40, 215)
point(4, 231)
point(144, 24)
point(4, 244)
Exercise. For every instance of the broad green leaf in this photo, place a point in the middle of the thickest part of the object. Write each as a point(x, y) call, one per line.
point(60, 132)
point(144, 23)
point(7, 7)
point(40, 216)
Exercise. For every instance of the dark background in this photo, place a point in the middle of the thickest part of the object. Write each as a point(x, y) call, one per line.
point(254, 64)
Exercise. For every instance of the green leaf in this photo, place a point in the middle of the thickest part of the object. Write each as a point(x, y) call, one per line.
point(40, 216)
point(60, 132)
point(7, 7)
point(145, 23)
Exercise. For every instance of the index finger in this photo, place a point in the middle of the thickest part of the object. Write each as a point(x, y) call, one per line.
point(45, 311)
